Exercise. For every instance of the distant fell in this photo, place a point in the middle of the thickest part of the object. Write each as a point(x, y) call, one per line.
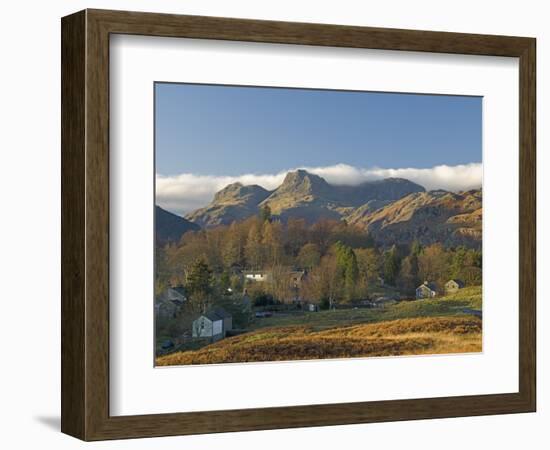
point(301, 195)
point(436, 216)
point(392, 210)
point(235, 202)
point(170, 227)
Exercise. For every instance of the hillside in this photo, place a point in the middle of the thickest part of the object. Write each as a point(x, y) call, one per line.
point(425, 335)
point(169, 227)
point(429, 217)
point(438, 325)
point(448, 305)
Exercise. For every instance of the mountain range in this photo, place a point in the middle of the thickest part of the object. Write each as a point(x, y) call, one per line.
point(302, 195)
point(392, 210)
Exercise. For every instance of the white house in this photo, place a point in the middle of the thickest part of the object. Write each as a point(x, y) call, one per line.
point(214, 324)
point(256, 275)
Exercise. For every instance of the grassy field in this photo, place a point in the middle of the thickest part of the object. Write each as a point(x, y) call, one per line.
point(406, 328)
point(417, 336)
point(442, 306)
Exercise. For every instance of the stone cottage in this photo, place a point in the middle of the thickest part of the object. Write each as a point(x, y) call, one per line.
point(426, 290)
point(453, 285)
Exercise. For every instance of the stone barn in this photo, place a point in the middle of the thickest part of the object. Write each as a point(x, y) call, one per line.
point(426, 290)
point(453, 285)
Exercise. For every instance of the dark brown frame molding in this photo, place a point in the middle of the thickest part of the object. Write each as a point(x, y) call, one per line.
point(85, 224)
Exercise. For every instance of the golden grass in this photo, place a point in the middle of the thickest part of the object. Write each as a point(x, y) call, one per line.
point(414, 336)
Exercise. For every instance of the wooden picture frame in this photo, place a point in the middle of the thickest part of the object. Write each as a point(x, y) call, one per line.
point(85, 224)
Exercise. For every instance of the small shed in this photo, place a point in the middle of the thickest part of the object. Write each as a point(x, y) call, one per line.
point(453, 285)
point(426, 290)
point(213, 324)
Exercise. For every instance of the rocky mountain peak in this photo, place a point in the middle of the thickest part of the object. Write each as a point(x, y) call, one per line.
point(302, 180)
point(237, 192)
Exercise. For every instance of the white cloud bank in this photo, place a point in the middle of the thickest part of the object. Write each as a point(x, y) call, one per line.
point(184, 193)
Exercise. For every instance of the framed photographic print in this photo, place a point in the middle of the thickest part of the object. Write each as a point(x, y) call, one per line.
point(272, 225)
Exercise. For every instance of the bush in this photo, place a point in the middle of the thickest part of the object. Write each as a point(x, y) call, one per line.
point(263, 300)
point(324, 304)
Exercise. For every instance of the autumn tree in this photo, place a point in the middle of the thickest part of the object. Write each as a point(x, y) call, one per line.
point(322, 284)
point(433, 264)
point(278, 284)
point(296, 236)
point(232, 246)
point(309, 256)
point(368, 263)
point(192, 246)
point(352, 235)
point(272, 241)
point(253, 249)
point(214, 242)
point(321, 234)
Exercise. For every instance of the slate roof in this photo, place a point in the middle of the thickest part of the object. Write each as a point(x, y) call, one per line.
point(460, 283)
point(180, 290)
point(430, 286)
point(217, 314)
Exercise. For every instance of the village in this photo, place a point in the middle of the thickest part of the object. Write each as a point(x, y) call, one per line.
point(218, 285)
point(235, 313)
point(271, 255)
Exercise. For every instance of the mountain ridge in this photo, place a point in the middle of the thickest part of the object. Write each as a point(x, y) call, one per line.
point(301, 194)
point(392, 210)
point(451, 218)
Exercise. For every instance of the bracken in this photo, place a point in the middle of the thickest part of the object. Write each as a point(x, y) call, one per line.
point(432, 335)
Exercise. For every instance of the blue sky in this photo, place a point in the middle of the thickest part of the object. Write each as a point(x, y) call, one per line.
point(208, 136)
point(227, 130)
